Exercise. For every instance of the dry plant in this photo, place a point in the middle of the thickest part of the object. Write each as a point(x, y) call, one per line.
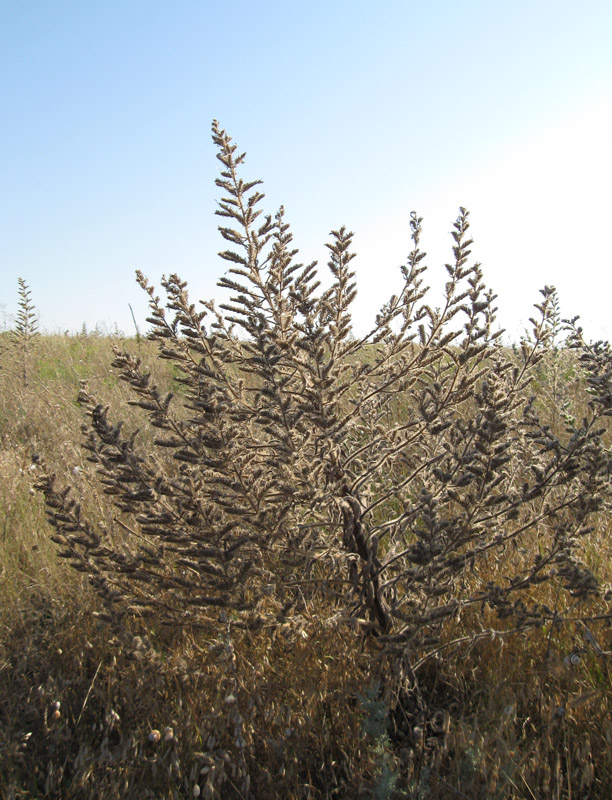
point(25, 333)
point(401, 485)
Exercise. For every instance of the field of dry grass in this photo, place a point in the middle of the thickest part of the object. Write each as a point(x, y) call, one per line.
point(293, 713)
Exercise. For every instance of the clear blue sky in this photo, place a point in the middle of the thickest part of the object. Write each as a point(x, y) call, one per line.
point(353, 113)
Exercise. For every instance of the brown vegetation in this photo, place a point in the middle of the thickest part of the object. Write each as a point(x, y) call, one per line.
point(326, 566)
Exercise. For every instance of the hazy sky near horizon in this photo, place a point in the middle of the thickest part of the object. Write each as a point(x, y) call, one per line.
point(353, 113)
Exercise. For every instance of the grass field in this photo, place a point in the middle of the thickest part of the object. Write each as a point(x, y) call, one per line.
point(285, 714)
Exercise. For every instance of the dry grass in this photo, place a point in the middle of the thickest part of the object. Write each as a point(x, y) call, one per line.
point(280, 713)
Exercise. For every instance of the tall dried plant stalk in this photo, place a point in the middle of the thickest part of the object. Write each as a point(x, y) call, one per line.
point(394, 482)
point(25, 333)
